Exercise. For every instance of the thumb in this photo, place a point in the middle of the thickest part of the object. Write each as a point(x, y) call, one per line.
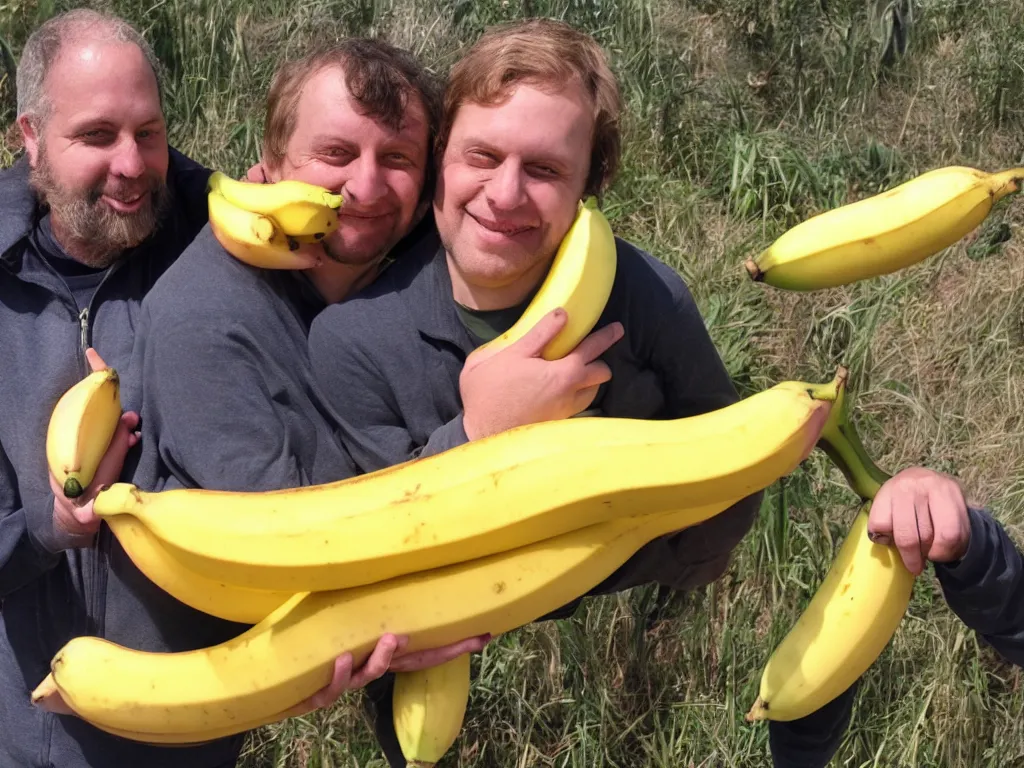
point(537, 338)
point(95, 361)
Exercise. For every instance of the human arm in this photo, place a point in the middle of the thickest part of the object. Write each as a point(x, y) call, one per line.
point(32, 540)
point(980, 569)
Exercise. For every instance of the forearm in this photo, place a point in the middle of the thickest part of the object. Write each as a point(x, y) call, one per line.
point(985, 589)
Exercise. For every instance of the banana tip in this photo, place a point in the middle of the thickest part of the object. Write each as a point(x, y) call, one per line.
point(753, 270)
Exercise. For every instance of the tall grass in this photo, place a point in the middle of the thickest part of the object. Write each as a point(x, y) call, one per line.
point(744, 117)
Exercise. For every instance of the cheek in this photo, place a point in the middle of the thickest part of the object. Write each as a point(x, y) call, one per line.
point(461, 184)
point(407, 187)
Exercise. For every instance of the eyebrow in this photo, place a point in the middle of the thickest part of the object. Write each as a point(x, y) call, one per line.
point(96, 121)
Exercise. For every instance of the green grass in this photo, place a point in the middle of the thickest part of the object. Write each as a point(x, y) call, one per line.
point(744, 116)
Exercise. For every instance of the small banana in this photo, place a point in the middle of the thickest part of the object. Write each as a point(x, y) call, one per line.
point(856, 610)
point(847, 624)
point(883, 233)
point(255, 238)
point(226, 601)
point(580, 280)
point(299, 208)
point(81, 427)
point(429, 706)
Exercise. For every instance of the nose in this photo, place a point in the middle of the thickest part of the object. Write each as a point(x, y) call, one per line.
point(366, 185)
point(506, 189)
point(128, 160)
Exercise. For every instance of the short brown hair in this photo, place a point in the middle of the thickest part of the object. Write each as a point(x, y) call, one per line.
point(545, 53)
point(380, 77)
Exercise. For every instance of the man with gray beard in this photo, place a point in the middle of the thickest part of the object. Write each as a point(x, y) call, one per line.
point(90, 217)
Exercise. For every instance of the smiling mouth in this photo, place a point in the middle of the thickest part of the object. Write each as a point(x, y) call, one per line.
point(507, 231)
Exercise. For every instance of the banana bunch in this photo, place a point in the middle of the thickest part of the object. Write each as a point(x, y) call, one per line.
point(80, 429)
point(883, 233)
point(857, 608)
point(265, 225)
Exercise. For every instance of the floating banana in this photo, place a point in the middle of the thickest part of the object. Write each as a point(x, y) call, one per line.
point(536, 481)
point(885, 232)
point(256, 239)
point(81, 427)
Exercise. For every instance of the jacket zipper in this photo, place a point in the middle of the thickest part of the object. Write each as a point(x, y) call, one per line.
point(83, 323)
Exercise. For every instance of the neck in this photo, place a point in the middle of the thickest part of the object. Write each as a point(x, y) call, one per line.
point(336, 282)
point(79, 250)
point(488, 297)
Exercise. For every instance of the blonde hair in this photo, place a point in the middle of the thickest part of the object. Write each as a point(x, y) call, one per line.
point(547, 54)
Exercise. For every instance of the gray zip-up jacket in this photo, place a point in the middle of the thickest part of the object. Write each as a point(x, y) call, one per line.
point(54, 588)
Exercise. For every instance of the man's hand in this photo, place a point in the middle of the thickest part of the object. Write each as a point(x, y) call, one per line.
point(256, 174)
point(925, 514)
point(75, 517)
point(516, 386)
point(388, 655)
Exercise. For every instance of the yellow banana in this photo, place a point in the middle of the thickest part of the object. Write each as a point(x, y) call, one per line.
point(857, 608)
point(885, 232)
point(290, 654)
point(216, 598)
point(429, 706)
point(535, 481)
point(579, 280)
point(256, 239)
point(847, 624)
point(298, 208)
point(81, 427)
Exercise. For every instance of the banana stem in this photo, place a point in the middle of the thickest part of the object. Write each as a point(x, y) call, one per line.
point(757, 712)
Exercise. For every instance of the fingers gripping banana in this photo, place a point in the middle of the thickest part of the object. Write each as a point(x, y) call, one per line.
point(290, 654)
point(580, 280)
point(550, 478)
point(847, 624)
point(256, 239)
point(857, 608)
point(429, 707)
point(80, 430)
point(885, 232)
point(298, 208)
point(226, 601)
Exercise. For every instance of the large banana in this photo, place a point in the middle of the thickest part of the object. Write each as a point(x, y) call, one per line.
point(429, 706)
point(216, 598)
point(290, 654)
point(81, 427)
point(885, 232)
point(857, 608)
point(535, 481)
point(256, 239)
point(298, 208)
point(579, 280)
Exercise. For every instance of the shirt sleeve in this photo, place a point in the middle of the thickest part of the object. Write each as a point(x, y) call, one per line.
point(985, 589)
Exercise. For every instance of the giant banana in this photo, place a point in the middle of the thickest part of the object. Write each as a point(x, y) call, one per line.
point(81, 427)
point(256, 239)
point(298, 208)
point(429, 706)
point(535, 481)
point(216, 598)
point(290, 654)
point(579, 280)
point(854, 612)
point(885, 232)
